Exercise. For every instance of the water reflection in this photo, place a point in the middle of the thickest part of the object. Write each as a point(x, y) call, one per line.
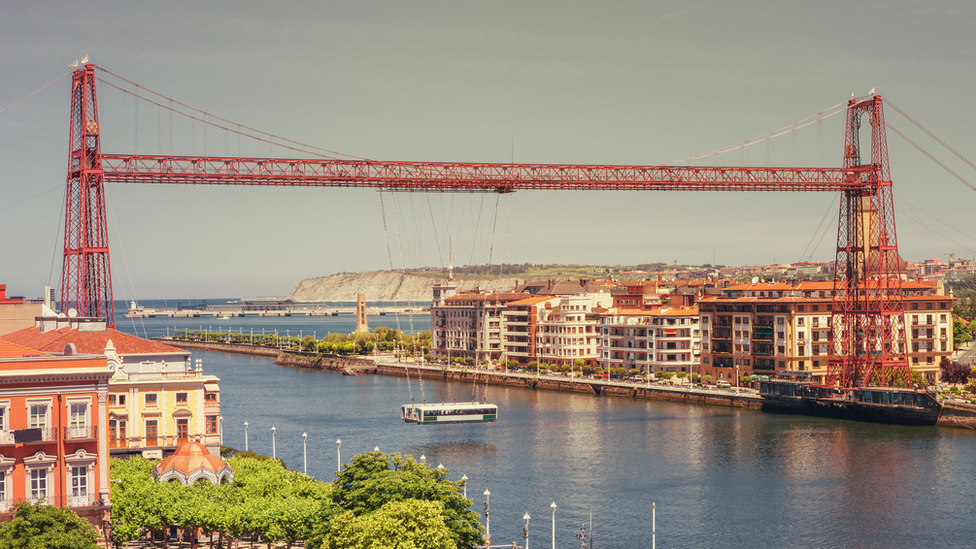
point(719, 476)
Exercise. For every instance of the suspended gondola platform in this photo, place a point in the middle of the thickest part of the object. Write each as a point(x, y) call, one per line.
point(443, 413)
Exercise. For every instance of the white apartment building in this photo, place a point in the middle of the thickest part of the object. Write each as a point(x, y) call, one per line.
point(665, 339)
point(554, 329)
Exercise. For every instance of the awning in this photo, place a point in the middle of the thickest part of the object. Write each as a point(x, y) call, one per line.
point(211, 387)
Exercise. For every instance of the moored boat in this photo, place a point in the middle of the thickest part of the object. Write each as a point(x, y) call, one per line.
point(890, 405)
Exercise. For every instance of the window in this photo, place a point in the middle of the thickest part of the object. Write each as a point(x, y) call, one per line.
point(151, 433)
point(210, 397)
point(111, 400)
point(79, 481)
point(182, 430)
point(211, 425)
point(38, 484)
point(38, 416)
point(3, 490)
point(121, 400)
point(151, 399)
point(78, 416)
point(799, 321)
point(181, 398)
point(3, 422)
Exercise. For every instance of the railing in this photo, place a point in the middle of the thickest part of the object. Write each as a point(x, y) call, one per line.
point(6, 438)
point(81, 433)
point(34, 436)
point(151, 376)
point(86, 500)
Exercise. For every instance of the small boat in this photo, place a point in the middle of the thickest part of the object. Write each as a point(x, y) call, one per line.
point(890, 405)
point(430, 414)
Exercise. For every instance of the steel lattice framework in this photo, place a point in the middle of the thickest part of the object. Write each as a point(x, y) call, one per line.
point(868, 339)
point(86, 274)
point(867, 336)
point(461, 177)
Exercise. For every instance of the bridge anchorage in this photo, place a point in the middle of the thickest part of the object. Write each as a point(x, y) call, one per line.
point(867, 342)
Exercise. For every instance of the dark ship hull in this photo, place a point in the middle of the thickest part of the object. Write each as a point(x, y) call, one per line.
point(873, 404)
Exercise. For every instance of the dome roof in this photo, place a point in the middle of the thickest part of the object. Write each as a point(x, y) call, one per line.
point(192, 462)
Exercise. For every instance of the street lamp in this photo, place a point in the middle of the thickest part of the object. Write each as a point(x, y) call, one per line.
point(274, 448)
point(553, 506)
point(245, 436)
point(487, 520)
point(305, 451)
point(338, 455)
point(464, 485)
point(525, 533)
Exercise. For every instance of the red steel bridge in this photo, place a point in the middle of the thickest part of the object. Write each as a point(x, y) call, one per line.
point(868, 340)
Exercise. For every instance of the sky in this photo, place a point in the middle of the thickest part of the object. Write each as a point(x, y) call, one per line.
point(631, 83)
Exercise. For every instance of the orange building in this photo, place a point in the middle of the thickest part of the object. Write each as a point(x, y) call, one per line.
point(53, 447)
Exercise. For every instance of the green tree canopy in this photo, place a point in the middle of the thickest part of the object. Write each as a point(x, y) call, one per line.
point(375, 479)
point(46, 527)
point(407, 524)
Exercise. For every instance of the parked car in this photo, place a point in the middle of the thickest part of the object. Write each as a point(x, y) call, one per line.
point(722, 384)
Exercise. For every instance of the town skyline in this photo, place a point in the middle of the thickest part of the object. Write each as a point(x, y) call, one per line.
point(628, 84)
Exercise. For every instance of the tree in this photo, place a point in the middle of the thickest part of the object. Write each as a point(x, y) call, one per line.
point(373, 480)
point(954, 372)
point(42, 526)
point(398, 524)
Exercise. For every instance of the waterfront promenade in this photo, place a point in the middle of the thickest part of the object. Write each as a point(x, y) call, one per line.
point(387, 365)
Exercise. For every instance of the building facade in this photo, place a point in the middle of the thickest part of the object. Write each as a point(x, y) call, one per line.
point(783, 329)
point(157, 397)
point(468, 324)
point(660, 339)
point(53, 446)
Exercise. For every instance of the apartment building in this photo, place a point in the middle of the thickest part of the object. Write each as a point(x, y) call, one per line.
point(555, 329)
point(660, 339)
point(53, 447)
point(783, 328)
point(157, 399)
point(468, 324)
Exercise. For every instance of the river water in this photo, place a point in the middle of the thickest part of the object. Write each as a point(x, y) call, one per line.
point(719, 477)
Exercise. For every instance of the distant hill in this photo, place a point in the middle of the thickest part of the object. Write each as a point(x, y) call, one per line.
point(416, 285)
point(385, 286)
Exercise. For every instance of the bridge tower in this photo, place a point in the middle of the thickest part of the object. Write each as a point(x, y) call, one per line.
point(86, 276)
point(868, 339)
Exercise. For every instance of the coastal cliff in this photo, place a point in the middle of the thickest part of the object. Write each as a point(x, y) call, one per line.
point(386, 286)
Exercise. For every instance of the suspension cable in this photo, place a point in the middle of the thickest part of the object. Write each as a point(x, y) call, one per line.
point(299, 146)
point(929, 155)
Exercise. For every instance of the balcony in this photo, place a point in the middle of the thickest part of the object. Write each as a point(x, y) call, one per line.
point(89, 432)
point(86, 500)
point(153, 376)
point(29, 436)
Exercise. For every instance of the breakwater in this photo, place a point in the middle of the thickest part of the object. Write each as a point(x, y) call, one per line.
point(954, 413)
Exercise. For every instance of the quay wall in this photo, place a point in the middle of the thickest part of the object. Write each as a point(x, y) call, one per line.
point(958, 414)
point(355, 365)
point(234, 348)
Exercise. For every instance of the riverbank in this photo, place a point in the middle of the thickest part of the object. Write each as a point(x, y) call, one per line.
point(957, 414)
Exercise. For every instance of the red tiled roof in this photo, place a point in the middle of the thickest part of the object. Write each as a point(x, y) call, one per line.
point(93, 343)
point(12, 350)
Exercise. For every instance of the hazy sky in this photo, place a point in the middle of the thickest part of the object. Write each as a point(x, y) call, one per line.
point(547, 82)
